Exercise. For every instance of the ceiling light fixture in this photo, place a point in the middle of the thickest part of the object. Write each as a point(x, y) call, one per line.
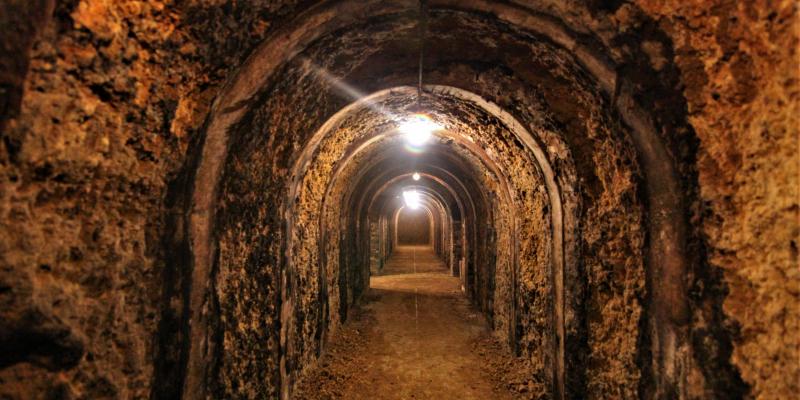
point(418, 129)
point(411, 198)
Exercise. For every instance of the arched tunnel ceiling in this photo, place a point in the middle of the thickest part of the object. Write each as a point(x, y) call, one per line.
point(563, 99)
point(433, 187)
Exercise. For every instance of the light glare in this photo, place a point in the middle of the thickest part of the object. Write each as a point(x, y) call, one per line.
point(411, 198)
point(415, 176)
point(418, 129)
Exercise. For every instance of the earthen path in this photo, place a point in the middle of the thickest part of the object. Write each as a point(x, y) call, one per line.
point(414, 339)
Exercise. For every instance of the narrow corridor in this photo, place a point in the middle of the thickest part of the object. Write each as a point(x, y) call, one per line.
point(420, 344)
point(399, 199)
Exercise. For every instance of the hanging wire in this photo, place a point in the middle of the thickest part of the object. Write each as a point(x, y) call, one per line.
point(423, 28)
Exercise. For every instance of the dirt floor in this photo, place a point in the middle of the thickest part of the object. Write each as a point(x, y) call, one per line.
point(416, 337)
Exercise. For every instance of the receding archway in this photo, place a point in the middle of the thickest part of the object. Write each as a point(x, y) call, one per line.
point(596, 73)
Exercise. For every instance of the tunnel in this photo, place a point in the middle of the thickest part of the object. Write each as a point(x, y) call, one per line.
point(251, 199)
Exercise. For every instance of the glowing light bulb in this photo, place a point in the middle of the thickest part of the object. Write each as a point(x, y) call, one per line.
point(415, 176)
point(418, 129)
point(411, 198)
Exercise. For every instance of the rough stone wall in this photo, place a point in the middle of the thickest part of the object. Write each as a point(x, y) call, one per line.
point(739, 67)
point(613, 241)
point(250, 272)
point(609, 234)
point(262, 317)
point(101, 115)
point(310, 244)
point(534, 291)
point(521, 297)
point(84, 163)
point(591, 156)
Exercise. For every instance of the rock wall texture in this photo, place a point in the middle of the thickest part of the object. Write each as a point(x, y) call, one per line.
point(103, 100)
point(105, 108)
point(739, 66)
point(84, 165)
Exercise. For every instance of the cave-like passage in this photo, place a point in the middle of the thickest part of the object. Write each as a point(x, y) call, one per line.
point(422, 341)
point(422, 336)
point(195, 197)
point(417, 218)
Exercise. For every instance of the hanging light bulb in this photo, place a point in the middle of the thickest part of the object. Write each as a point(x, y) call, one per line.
point(415, 176)
point(411, 199)
point(418, 129)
